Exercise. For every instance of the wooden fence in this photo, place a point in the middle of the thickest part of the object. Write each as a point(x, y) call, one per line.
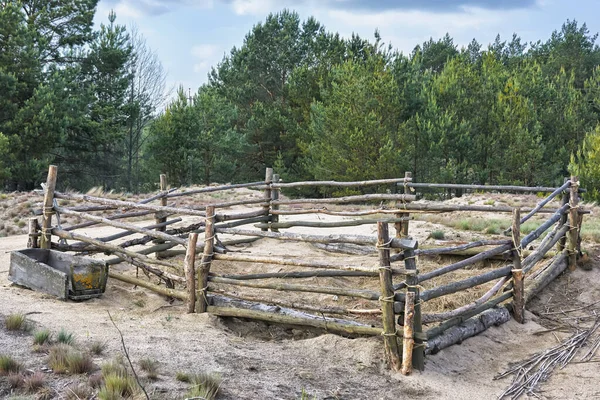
point(393, 288)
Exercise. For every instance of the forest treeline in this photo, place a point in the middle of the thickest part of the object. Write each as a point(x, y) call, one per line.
point(296, 97)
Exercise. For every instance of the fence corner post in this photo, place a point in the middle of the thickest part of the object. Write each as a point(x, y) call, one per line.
point(573, 223)
point(517, 271)
point(412, 286)
point(207, 255)
point(402, 226)
point(47, 211)
point(390, 335)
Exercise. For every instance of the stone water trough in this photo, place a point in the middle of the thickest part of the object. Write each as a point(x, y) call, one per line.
point(62, 275)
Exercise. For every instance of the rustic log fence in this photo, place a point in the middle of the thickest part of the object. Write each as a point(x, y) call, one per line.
point(389, 295)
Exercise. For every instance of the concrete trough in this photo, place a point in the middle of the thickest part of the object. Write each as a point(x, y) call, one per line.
point(59, 274)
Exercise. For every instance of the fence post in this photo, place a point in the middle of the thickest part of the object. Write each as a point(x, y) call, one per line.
point(517, 271)
point(402, 226)
point(275, 197)
point(573, 222)
point(209, 243)
point(47, 211)
point(409, 340)
point(34, 233)
point(267, 194)
point(158, 219)
point(392, 348)
point(412, 285)
point(190, 271)
point(563, 220)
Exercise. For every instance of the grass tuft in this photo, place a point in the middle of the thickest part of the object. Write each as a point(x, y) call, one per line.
point(79, 391)
point(41, 337)
point(205, 385)
point(97, 347)
point(15, 380)
point(150, 367)
point(57, 358)
point(9, 365)
point(34, 382)
point(65, 337)
point(78, 362)
point(15, 322)
point(437, 235)
point(183, 377)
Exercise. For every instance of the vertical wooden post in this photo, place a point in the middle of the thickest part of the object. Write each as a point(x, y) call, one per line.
point(402, 226)
point(412, 285)
point(517, 271)
point(409, 341)
point(47, 210)
point(190, 271)
point(563, 220)
point(573, 222)
point(34, 229)
point(157, 217)
point(390, 336)
point(209, 244)
point(267, 193)
point(275, 196)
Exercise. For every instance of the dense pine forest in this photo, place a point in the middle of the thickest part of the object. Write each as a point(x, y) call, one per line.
point(296, 97)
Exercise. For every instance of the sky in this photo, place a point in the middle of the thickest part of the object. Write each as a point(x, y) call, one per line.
point(191, 36)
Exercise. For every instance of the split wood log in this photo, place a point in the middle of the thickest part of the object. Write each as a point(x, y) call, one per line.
point(190, 272)
point(390, 335)
point(409, 341)
point(467, 329)
point(412, 283)
point(435, 331)
point(178, 294)
point(296, 305)
point(129, 204)
point(274, 197)
point(350, 199)
point(330, 224)
point(465, 283)
point(542, 204)
point(458, 250)
point(573, 223)
point(207, 256)
point(338, 184)
point(531, 189)
point(34, 233)
point(395, 243)
point(254, 185)
point(299, 263)
point(267, 193)
point(558, 264)
point(359, 293)
point(48, 210)
point(301, 274)
point(231, 308)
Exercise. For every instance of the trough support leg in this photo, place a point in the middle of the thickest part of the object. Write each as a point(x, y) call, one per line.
point(34, 233)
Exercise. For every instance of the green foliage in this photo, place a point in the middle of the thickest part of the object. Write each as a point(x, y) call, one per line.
point(65, 337)
point(437, 235)
point(205, 385)
point(41, 337)
point(9, 365)
point(587, 164)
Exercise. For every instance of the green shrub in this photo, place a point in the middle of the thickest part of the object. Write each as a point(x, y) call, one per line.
point(41, 337)
point(65, 337)
point(438, 235)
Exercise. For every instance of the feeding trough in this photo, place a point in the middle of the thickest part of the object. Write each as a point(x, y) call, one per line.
point(62, 275)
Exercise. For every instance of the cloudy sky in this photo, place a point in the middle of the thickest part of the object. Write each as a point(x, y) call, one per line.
point(190, 36)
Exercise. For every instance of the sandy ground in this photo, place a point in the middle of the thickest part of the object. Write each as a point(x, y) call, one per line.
point(258, 361)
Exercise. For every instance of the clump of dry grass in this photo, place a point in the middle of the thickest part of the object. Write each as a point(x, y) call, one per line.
point(15, 322)
point(34, 382)
point(9, 365)
point(15, 380)
point(205, 385)
point(97, 347)
point(117, 382)
point(63, 358)
point(41, 337)
point(150, 367)
point(78, 391)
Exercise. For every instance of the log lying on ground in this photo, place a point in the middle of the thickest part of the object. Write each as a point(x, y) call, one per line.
point(469, 328)
point(178, 294)
point(555, 268)
point(355, 239)
point(350, 199)
point(332, 224)
point(241, 309)
point(341, 184)
point(208, 189)
point(532, 189)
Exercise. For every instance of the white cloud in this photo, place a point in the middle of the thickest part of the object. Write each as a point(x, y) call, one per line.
point(254, 7)
point(205, 55)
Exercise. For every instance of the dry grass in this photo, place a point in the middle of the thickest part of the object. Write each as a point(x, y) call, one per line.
point(205, 386)
point(15, 380)
point(41, 337)
point(34, 382)
point(15, 322)
point(117, 382)
point(97, 347)
point(9, 365)
point(65, 359)
point(78, 391)
point(150, 367)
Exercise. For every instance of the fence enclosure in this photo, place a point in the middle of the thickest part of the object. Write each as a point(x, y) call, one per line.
point(386, 298)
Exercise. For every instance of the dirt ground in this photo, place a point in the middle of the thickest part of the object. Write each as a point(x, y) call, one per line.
point(258, 361)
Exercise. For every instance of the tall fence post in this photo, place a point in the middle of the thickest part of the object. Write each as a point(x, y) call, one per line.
point(46, 242)
point(275, 197)
point(563, 220)
point(190, 271)
point(409, 335)
point(158, 218)
point(207, 255)
point(267, 194)
point(390, 335)
point(573, 222)
point(517, 271)
point(402, 226)
point(412, 285)
point(34, 233)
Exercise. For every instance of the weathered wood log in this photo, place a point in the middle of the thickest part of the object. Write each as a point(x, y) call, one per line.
point(302, 211)
point(111, 248)
point(301, 274)
point(409, 341)
point(299, 263)
point(168, 277)
point(296, 305)
point(531, 189)
point(573, 223)
point(359, 293)
point(129, 204)
point(356, 239)
point(346, 248)
point(207, 257)
point(390, 335)
point(208, 189)
point(542, 251)
point(178, 294)
point(563, 221)
point(48, 210)
point(465, 283)
point(350, 199)
point(558, 264)
point(146, 251)
point(338, 184)
point(112, 217)
point(404, 224)
point(274, 197)
point(407, 208)
point(542, 204)
point(412, 283)
point(245, 215)
point(34, 233)
point(517, 272)
point(458, 250)
point(544, 227)
point(158, 217)
point(190, 272)
point(329, 224)
point(437, 330)
point(267, 193)
point(467, 329)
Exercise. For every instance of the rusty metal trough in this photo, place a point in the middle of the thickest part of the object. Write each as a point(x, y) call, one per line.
point(59, 274)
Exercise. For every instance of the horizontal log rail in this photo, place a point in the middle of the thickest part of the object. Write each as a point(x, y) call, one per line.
point(451, 249)
point(532, 189)
point(177, 294)
point(134, 214)
point(277, 185)
point(302, 274)
point(349, 199)
point(222, 217)
point(324, 210)
point(544, 227)
point(354, 239)
point(208, 189)
point(331, 224)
